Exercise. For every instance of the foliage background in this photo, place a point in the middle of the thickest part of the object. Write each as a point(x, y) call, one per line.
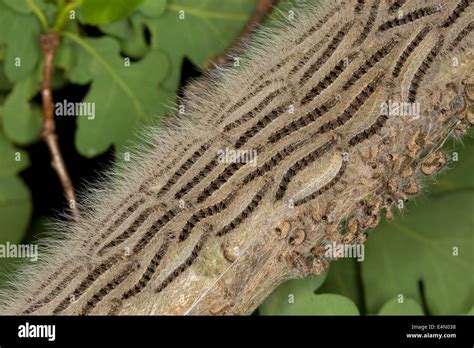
point(411, 256)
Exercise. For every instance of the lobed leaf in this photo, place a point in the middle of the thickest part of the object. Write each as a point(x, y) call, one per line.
point(431, 244)
point(98, 12)
point(21, 56)
point(343, 279)
point(207, 29)
point(15, 209)
point(153, 8)
point(124, 96)
point(22, 120)
point(14, 160)
point(407, 307)
point(21, 6)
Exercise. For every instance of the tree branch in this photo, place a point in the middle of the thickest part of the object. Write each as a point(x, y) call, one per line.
point(49, 42)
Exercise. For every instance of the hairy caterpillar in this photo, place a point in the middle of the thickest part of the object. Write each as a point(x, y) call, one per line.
point(181, 232)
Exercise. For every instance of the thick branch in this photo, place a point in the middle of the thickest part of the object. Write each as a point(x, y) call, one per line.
point(234, 277)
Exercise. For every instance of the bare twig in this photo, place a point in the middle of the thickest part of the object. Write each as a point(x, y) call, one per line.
point(261, 10)
point(49, 42)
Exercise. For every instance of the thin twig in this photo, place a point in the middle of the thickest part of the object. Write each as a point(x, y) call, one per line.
point(49, 42)
point(261, 11)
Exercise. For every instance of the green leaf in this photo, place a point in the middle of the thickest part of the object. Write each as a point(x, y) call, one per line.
point(326, 304)
point(207, 29)
point(98, 12)
point(21, 6)
point(131, 34)
point(65, 56)
point(22, 121)
point(120, 29)
point(310, 304)
point(407, 307)
point(50, 11)
point(15, 209)
point(135, 46)
point(5, 85)
point(153, 8)
point(124, 97)
point(22, 55)
point(420, 246)
point(13, 160)
point(343, 279)
point(17, 5)
point(8, 266)
point(291, 291)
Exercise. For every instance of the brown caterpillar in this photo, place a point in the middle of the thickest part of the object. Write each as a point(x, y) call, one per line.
point(180, 231)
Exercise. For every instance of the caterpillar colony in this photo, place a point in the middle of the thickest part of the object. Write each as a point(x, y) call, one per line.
point(180, 231)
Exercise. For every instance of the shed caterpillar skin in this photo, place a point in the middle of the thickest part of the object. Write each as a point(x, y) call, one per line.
point(180, 232)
